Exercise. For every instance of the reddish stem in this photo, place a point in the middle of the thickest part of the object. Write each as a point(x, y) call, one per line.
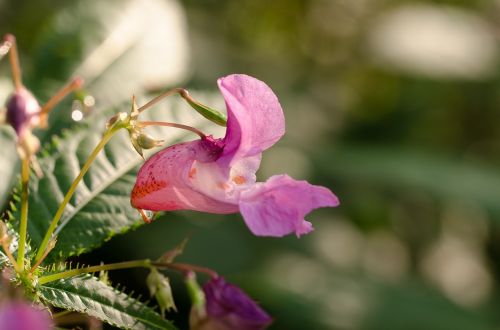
point(186, 268)
point(181, 126)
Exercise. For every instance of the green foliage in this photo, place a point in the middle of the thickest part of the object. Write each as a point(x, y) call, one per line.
point(86, 294)
point(9, 161)
point(405, 169)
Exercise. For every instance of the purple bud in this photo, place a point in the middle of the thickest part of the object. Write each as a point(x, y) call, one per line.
point(228, 307)
point(22, 316)
point(22, 111)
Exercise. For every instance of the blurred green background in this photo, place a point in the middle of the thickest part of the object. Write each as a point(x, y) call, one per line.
point(394, 105)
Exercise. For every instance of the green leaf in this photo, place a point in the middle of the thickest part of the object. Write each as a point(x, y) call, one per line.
point(86, 294)
point(100, 207)
point(126, 45)
point(411, 170)
point(10, 163)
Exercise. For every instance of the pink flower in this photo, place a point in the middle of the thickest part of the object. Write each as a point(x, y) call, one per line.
point(228, 307)
point(218, 175)
point(22, 316)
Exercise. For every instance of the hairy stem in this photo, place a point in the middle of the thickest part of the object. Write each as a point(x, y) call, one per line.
point(23, 227)
point(146, 263)
point(107, 135)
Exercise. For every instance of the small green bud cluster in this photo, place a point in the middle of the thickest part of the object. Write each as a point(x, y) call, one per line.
point(159, 286)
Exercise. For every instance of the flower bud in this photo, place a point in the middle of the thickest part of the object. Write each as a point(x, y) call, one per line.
point(206, 111)
point(141, 140)
point(228, 307)
point(198, 313)
point(146, 141)
point(23, 111)
point(159, 286)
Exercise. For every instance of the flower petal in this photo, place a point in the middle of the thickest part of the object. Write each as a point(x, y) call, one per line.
point(164, 181)
point(255, 118)
point(22, 316)
point(228, 307)
point(278, 206)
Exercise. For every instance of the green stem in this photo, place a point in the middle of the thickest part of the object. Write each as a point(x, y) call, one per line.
point(25, 175)
point(146, 263)
point(207, 112)
point(107, 135)
point(167, 124)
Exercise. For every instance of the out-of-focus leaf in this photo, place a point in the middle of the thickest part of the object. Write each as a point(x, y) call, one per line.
point(405, 170)
point(86, 294)
point(10, 163)
point(127, 46)
point(418, 307)
point(340, 300)
point(100, 207)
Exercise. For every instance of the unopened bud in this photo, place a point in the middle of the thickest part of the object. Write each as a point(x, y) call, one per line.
point(146, 141)
point(206, 111)
point(23, 111)
point(159, 286)
point(228, 307)
point(198, 312)
point(141, 140)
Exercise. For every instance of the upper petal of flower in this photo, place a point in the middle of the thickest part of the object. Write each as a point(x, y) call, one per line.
point(255, 120)
point(278, 206)
point(164, 182)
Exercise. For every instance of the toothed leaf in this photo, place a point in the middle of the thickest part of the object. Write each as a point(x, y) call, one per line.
point(86, 294)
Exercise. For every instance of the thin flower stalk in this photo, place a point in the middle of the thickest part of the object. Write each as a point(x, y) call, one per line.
point(25, 174)
point(167, 124)
point(106, 137)
point(186, 268)
point(160, 97)
point(14, 61)
point(146, 263)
